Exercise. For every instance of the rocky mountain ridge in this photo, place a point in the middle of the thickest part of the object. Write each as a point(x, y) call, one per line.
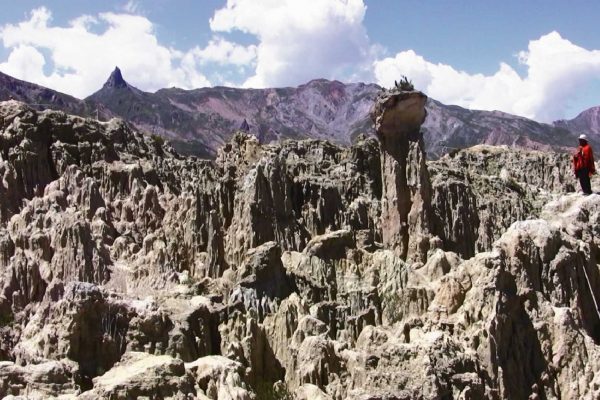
point(298, 269)
point(207, 117)
point(41, 98)
point(200, 121)
point(587, 121)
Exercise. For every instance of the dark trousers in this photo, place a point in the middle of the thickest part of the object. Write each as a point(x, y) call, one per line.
point(584, 179)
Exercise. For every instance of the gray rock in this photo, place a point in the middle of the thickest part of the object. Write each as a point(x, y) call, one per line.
point(127, 270)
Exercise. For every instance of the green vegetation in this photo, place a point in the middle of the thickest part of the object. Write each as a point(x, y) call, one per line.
point(404, 84)
point(158, 140)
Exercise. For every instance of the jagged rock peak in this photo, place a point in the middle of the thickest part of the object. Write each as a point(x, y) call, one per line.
point(245, 127)
point(115, 80)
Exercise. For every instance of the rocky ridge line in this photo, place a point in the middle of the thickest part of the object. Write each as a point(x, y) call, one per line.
point(200, 121)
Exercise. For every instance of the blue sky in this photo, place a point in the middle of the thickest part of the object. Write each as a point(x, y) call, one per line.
point(539, 59)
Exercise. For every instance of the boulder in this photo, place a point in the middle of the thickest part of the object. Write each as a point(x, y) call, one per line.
point(140, 374)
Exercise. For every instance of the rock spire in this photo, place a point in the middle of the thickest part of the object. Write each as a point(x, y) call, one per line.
point(115, 80)
point(405, 220)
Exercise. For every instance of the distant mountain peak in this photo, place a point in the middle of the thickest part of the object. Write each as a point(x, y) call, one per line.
point(245, 127)
point(588, 122)
point(115, 80)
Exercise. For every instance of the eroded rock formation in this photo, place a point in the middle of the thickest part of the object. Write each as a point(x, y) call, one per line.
point(405, 214)
point(298, 269)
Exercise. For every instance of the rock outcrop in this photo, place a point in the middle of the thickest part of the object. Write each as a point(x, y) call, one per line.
point(479, 192)
point(405, 214)
point(299, 269)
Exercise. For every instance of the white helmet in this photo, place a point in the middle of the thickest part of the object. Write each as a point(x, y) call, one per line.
point(583, 137)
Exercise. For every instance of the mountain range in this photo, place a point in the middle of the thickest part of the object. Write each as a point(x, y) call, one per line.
point(199, 121)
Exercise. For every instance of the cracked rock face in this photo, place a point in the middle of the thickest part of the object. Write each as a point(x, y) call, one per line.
point(293, 270)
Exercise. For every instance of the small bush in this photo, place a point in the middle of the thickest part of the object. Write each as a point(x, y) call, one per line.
point(404, 84)
point(157, 140)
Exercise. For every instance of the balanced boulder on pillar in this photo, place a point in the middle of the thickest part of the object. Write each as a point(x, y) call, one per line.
point(405, 220)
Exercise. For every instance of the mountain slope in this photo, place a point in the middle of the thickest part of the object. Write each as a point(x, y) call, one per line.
point(587, 122)
point(205, 118)
point(452, 127)
point(40, 97)
point(199, 121)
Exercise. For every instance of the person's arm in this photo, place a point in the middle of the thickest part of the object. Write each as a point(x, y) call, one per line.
point(592, 165)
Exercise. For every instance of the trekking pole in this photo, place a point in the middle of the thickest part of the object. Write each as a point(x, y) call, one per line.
point(587, 278)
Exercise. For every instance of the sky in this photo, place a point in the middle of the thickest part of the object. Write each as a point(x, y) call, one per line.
point(538, 59)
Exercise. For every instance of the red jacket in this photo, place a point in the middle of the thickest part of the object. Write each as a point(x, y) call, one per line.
point(584, 158)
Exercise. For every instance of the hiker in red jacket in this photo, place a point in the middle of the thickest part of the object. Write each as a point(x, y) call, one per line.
point(583, 164)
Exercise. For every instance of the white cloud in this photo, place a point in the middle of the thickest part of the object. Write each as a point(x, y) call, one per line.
point(225, 52)
point(296, 41)
point(25, 62)
point(299, 40)
point(556, 70)
point(80, 60)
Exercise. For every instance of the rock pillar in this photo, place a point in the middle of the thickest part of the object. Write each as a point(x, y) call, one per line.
point(406, 194)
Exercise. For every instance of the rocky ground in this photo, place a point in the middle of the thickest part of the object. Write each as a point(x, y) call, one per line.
point(295, 270)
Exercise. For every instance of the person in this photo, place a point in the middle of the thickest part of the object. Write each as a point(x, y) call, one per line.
point(583, 164)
